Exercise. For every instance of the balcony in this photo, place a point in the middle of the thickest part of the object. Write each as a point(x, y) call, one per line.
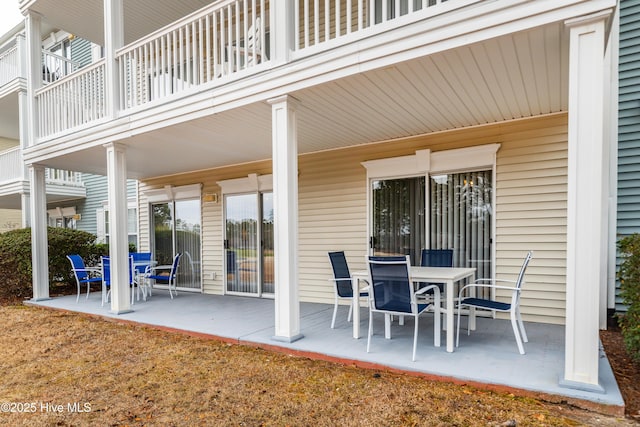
point(61, 184)
point(218, 44)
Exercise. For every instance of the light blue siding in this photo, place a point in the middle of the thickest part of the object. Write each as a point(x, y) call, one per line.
point(628, 220)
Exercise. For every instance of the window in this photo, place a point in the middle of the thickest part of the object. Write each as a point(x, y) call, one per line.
point(132, 226)
point(62, 217)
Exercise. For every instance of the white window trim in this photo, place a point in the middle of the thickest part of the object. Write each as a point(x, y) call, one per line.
point(101, 232)
point(169, 193)
point(252, 183)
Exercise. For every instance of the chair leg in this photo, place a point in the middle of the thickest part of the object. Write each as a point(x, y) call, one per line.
point(370, 332)
point(436, 321)
point(350, 313)
point(458, 326)
point(523, 333)
point(78, 297)
point(514, 325)
point(335, 312)
point(88, 289)
point(415, 337)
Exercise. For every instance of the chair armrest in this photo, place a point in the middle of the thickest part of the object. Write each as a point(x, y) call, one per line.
point(480, 285)
point(495, 280)
point(421, 291)
point(158, 267)
point(89, 270)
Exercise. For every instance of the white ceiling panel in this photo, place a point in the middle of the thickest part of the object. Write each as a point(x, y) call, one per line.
point(515, 76)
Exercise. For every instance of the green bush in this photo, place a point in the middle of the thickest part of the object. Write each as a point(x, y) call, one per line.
point(629, 276)
point(15, 258)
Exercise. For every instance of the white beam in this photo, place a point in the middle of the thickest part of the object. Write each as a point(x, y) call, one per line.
point(285, 204)
point(39, 246)
point(586, 211)
point(118, 236)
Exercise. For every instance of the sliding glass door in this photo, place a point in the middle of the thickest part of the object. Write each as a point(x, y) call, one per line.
point(176, 229)
point(398, 217)
point(459, 217)
point(249, 243)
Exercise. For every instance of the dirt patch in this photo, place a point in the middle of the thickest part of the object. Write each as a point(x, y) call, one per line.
point(626, 371)
point(80, 370)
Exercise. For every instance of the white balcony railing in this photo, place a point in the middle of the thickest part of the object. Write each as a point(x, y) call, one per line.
point(63, 177)
point(319, 21)
point(219, 40)
point(225, 39)
point(9, 65)
point(55, 67)
point(73, 101)
point(11, 167)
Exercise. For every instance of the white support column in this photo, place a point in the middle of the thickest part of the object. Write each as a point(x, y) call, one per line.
point(282, 36)
point(586, 211)
point(33, 75)
point(285, 204)
point(118, 236)
point(39, 242)
point(113, 40)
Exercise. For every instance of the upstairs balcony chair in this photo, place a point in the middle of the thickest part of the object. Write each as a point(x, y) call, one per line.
point(342, 284)
point(154, 273)
point(513, 307)
point(83, 274)
point(249, 49)
point(392, 293)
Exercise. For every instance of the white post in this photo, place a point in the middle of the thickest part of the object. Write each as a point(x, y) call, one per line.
point(113, 40)
point(39, 242)
point(33, 75)
point(285, 204)
point(282, 36)
point(118, 236)
point(585, 208)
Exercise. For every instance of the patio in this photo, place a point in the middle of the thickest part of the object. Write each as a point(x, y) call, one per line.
point(251, 321)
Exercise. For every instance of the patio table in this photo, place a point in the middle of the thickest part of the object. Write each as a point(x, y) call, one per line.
point(447, 275)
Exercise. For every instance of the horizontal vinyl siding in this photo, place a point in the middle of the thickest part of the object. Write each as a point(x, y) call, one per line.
point(97, 193)
point(628, 217)
point(10, 219)
point(531, 212)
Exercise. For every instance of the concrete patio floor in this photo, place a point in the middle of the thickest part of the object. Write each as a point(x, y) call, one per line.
point(488, 357)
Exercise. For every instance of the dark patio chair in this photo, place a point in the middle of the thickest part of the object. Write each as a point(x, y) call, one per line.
point(513, 307)
point(342, 284)
point(392, 293)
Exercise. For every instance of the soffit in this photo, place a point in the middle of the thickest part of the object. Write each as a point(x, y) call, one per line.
point(516, 76)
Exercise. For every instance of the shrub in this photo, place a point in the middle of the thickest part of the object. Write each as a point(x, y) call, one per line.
point(629, 276)
point(15, 258)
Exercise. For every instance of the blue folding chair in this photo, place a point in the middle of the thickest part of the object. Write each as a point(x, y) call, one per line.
point(169, 278)
point(105, 263)
point(83, 274)
point(140, 264)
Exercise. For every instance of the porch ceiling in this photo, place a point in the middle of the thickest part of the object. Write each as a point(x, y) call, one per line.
point(516, 76)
